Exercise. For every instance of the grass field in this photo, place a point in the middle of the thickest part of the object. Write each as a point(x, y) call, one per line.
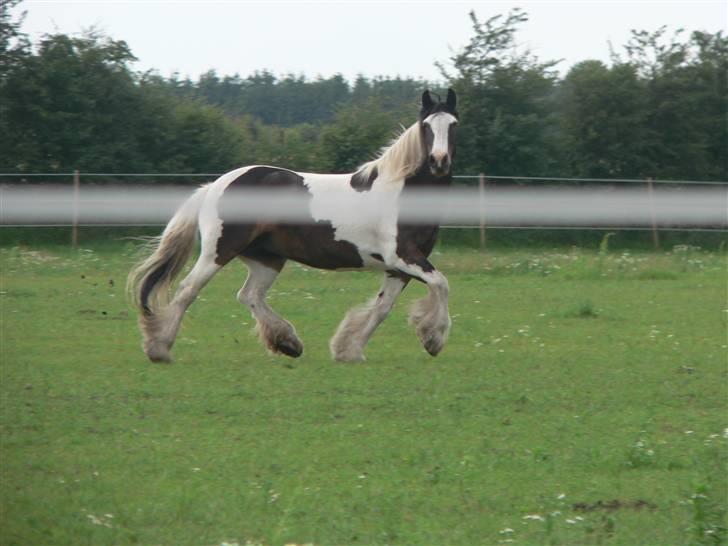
point(581, 400)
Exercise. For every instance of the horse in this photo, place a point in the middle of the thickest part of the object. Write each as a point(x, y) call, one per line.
point(419, 158)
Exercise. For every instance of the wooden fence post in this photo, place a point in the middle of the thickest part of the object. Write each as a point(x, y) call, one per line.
point(76, 191)
point(653, 219)
point(481, 202)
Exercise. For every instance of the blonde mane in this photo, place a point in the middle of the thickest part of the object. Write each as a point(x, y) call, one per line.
point(401, 158)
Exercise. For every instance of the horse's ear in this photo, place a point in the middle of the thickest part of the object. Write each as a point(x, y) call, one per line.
point(427, 102)
point(451, 100)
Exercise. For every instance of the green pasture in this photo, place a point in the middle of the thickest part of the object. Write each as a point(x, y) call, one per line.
point(581, 400)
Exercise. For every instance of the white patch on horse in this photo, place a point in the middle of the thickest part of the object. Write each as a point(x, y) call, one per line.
point(210, 223)
point(366, 219)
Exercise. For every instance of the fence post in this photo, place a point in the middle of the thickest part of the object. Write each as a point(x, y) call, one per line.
point(653, 219)
point(481, 203)
point(76, 191)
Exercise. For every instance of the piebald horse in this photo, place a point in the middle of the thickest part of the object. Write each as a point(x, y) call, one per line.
point(333, 238)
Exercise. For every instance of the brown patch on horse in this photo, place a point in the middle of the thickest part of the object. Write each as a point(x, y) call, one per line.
point(360, 181)
point(310, 244)
point(269, 260)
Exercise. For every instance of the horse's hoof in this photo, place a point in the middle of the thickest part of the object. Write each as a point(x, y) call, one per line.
point(349, 358)
point(433, 340)
point(434, 345)
point(289, 347)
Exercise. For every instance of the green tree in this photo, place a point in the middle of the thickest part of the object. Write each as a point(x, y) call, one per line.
point(603, 115)
point(13, 43)
point(686, 100)
point(505, 101)
point(14, 51)
point(355, 136)
point(202, 139)
point(72, 105)
point(75, 104)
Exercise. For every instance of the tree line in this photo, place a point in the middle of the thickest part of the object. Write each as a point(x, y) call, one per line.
point(657, 109)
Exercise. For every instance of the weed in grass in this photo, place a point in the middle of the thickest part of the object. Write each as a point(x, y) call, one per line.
point(604, 244)
point(708, 517)
point(656, 275)
point(641, 454)
point(585, 309)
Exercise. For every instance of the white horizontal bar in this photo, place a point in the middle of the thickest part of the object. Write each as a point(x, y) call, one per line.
point(212, 176)
point(704, 207)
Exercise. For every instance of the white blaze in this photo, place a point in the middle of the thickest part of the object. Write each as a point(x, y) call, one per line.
point(440, 125)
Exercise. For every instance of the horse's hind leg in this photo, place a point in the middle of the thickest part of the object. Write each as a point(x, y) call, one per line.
point(354, 332)
point(161, 335)
point(277, 334)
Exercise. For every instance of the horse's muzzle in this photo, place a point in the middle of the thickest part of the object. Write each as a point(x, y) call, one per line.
point(439, 166)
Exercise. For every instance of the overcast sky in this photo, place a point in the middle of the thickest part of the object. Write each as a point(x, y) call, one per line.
point(350, 37)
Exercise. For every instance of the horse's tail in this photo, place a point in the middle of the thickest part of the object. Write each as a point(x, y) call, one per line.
point(148, 283)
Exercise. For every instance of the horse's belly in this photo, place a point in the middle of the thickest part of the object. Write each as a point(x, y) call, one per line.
point(312, 245)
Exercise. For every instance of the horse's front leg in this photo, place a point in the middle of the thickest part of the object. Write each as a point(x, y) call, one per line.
point(354, 332)
point(429, 315)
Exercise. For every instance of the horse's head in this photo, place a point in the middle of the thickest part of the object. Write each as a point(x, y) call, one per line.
point(438, 121)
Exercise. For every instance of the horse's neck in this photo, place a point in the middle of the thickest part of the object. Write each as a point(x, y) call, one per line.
point(423, 179)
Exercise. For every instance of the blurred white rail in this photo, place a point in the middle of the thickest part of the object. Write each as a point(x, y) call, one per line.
point(705, 207)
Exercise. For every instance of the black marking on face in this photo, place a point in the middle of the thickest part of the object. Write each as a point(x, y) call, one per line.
point(360, 182)
point(428, 137)
point(451, 139)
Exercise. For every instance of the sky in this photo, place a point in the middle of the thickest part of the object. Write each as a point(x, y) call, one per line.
point(374, 37)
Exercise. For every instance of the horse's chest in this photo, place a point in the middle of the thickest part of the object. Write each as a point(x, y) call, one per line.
point(420, 237)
